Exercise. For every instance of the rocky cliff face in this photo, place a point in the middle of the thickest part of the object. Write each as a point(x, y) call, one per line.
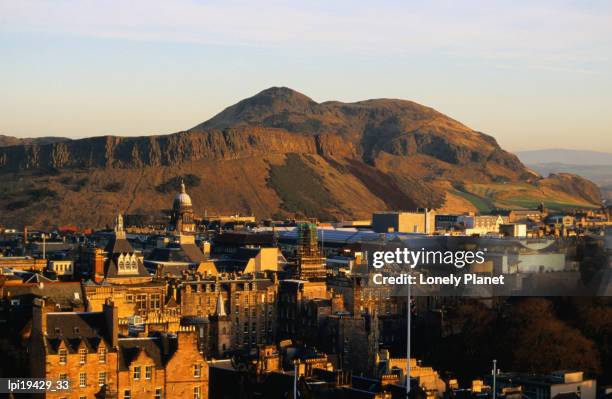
point(173, 149)
point(358, 157)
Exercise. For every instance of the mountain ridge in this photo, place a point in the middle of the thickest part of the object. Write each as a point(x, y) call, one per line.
point(359, 157)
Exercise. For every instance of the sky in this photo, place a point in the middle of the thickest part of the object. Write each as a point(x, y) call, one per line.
point(533, 74)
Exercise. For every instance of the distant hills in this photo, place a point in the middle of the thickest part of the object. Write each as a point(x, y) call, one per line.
point(565, 156)
point(594, 165)
point(280, 154)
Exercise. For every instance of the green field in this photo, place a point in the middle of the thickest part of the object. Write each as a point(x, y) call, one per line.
point(486, 197)
point(484, 205)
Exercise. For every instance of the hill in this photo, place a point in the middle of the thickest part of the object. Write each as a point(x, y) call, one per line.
point(276, 154)
point(593, 165)
point(563, 156)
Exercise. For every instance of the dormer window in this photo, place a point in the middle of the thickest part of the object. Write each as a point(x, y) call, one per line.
point(102, 355)
point(63, 355)
point(82, 355)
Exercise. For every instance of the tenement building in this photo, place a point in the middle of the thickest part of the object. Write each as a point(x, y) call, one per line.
point(87, 350)
point(248, 301)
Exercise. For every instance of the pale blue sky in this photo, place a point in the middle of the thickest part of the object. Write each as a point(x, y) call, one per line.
point(532, 74)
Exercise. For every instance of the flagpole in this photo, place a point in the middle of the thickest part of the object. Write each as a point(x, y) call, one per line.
point(494, 377)
point(295, 374)
point(408, 316)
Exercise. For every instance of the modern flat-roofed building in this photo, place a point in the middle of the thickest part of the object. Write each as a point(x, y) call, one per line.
point(420, 221)
point(550, 386)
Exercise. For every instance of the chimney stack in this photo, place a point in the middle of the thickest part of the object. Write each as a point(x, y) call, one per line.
point(111, 315)
point(39, 318)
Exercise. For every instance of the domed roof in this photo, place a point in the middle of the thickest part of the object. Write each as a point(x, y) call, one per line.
point(182, 199)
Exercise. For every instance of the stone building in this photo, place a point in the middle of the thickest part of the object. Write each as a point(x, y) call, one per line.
point(117, 263)
point(250, 304)
point(88, 350)
point(145, 304)
point(293, 299)
point(182, 218)
point(23, 263)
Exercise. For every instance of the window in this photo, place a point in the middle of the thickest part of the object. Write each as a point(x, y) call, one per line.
point(82, 379)
point(197, 370)
point(129, 298)
point(82, 355)
point(82, 397)
point(136, 373)
point(63, 354)
point(148, 372)
point(102, 355)
point(196, 392)
point(141, 301)
point(63, 376)
point(158, 393)
point(102, 378)
point(155, 301)
point(127, 394)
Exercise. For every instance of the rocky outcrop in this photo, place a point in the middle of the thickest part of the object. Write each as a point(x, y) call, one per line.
point(368, 155)
point(280, 120)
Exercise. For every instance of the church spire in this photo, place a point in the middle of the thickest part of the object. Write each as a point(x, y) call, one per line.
point(119, 231)
point(220, 311)
point(183, 191)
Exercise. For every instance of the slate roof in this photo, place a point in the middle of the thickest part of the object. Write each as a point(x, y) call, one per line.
point(118, 246)
point(242, 238)
point(237, 261)
point(72, 328)
point(112, 270)
point(160, 348)
point(66, 295)
point(188, 253)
